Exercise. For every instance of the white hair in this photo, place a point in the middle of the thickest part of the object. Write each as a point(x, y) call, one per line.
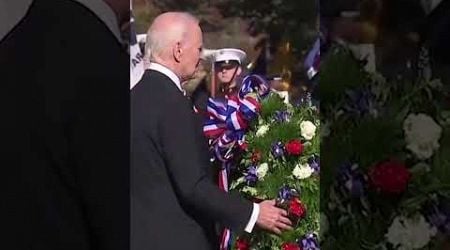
point(160, 39)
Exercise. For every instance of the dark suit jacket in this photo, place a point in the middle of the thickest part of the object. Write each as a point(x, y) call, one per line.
point(64, 96)
point(175, 201)
point(436, 35)
point(200, 97)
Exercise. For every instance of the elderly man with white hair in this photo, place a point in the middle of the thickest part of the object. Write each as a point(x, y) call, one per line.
point(175, 202)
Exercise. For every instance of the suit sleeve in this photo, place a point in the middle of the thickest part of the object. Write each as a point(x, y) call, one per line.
point(99, 144)
point(187, 163)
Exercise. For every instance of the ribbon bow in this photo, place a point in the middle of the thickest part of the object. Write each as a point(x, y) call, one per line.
point(229, 119)
point(226, 127)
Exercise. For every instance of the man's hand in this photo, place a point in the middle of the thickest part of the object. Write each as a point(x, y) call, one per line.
point(272, 218)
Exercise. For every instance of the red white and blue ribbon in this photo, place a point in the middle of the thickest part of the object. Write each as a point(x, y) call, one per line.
point(226, 126)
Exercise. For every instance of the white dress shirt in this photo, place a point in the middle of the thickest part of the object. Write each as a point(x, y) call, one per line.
point(169, 73)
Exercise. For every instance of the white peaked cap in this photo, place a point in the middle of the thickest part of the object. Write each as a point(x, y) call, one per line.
point(208, 54)
point(229, 54)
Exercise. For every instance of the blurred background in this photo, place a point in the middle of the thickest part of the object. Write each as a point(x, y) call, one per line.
point(396, 37)
point(399, 39)
point(276, 35)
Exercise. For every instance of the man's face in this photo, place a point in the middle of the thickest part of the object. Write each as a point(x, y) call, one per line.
point(191, 52)
point(225, 73)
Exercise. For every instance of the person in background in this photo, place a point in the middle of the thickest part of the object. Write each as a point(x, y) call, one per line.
point(227, 70)
point(226, 65)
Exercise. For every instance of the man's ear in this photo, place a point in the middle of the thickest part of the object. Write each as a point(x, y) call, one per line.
point(177, 51)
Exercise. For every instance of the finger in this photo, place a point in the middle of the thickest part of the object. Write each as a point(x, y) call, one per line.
point(279, 212)
point(282, 212)
point(283, 226)
point(285, 220)
point(276, 230)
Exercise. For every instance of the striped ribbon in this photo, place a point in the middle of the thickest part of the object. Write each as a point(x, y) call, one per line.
point(226, 127)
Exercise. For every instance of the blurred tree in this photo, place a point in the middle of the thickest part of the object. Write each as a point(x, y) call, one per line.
point(283, 20)
point(260, 28)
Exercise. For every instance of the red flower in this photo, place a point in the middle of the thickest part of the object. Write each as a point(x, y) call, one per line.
point(390, 177)
point(256, 156)
point(294, 147)
point(290, 246)
point(243, 146)
point(242, 244)
point(296, 208)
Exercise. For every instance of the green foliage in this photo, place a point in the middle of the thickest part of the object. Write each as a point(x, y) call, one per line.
point(441, 162)
point(370, 137)
point(339, 71)
point(270, 106)
point(279, 173)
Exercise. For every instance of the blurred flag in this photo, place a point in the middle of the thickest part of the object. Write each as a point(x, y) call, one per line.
point(312, 60)
point(136, 56)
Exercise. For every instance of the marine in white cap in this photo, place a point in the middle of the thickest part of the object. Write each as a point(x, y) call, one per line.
point(226, 68)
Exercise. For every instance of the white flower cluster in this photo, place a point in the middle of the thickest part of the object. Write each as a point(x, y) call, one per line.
point(422, 135)
point(250, 190)
point(302, 171)
point(261, 170)
point(410, 233)
point(307, 130)
point(262, 130)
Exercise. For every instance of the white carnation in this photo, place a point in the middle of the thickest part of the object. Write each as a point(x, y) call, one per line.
point(302, 171)
point(410, 233)
point(422, 135)
point(262, 130)
point(307, 129)
point(261, 171)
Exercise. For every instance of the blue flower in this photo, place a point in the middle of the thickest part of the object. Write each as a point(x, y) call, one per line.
point(438, 214)
point(351, 181)
point(309, 242)
point(287, 193)
point(282, 116)
point(251, 176)
point(277, 149)
point(314, 163)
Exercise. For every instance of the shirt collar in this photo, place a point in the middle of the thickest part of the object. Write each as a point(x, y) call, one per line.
point(167, 72)
point(105, 13)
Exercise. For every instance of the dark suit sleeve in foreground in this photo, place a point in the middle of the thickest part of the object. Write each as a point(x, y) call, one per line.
point(187, 164)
